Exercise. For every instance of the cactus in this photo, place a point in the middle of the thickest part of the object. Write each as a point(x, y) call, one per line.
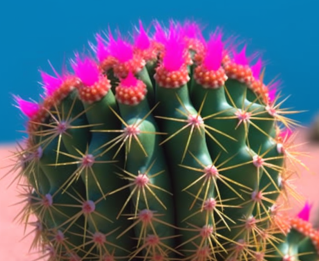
point(165, 147)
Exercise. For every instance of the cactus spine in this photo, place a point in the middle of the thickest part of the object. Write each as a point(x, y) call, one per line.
point(169, 147)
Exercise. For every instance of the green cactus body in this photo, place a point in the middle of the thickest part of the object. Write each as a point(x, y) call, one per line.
point(145, 163)
point(184, 126)
point(166, 149)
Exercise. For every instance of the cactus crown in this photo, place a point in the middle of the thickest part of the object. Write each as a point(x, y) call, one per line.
point(168, 147)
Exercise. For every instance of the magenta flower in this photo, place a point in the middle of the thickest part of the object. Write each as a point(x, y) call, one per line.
point(86, 69)
point(272, 91)
point(119, 49)
point(304, 214)
point(192, 30)
point(214, 52)
point(240, 57)
point(174, 54)
point(101, 49)
point(285, 134)
point(26, 107)
point(129, 81)
point(50, 83)
point(141, 40)
point(256, 68)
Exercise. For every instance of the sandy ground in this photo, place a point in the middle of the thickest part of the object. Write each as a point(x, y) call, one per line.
point(307, 184)
point(12, 248)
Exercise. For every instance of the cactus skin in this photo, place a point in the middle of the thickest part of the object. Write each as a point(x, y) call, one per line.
point(170, 147)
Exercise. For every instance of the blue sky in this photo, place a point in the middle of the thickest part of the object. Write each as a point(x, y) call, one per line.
point(33, 32)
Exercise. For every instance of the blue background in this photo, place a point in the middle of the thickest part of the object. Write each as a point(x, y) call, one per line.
point(32, 32)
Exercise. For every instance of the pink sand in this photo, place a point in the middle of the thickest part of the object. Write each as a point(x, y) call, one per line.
point(12, 248)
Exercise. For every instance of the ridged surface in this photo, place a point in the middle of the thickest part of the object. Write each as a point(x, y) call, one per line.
point(190, 171)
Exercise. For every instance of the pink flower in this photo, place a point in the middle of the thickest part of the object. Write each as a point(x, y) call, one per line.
point(141, 40)
point(50, 83)
point(101, 49)
point(285, 134)
point(174, 54)
point(272, 91)
point(129, 81)
point(26, 107)
point(304, 214)
point(120, 49)
point(241, 58)
point(86, 69)
point(214, 52)
point(256, 68)
point(192, 30)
